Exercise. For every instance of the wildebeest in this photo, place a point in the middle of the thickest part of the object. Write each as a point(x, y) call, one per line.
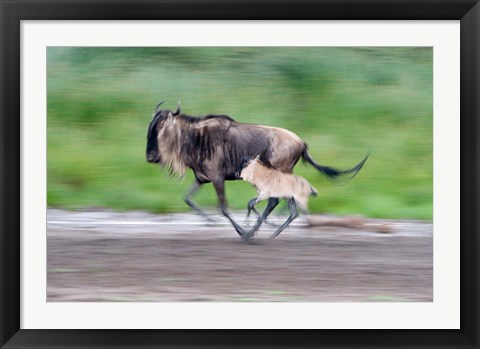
point(272, 183)
point(213, 146)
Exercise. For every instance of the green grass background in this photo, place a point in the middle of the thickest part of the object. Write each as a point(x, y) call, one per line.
point(342, 101)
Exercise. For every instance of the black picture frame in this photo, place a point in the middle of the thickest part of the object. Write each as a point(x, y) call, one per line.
point(14, 11)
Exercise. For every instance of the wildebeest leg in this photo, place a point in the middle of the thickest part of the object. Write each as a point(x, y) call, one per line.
point(293, 214)
point(272, 203)
point(188, 200)
point(220, 188)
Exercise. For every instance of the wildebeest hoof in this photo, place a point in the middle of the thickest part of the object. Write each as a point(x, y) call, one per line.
point(248, 236)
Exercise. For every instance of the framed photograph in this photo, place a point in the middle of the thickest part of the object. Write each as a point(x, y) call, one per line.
point(114, 114)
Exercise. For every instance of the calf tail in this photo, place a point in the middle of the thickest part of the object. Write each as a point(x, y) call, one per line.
point(332, 172)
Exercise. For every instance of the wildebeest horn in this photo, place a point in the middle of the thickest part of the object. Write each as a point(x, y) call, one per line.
point(158, 105)
point(178, 108)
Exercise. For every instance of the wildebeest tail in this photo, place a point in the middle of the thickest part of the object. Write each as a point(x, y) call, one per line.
point(330, 171)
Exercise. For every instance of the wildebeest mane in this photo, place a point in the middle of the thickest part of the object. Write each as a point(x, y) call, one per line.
point(215, 116)
point(196, 119)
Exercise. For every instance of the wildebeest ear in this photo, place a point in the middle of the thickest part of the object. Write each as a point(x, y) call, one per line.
point(170, 117)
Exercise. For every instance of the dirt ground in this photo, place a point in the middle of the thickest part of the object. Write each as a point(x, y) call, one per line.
point(136, 256)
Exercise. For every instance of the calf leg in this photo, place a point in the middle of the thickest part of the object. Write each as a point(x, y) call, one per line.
point(220, 189)
point(272, 203)
point(293, 214)
point(251, 207)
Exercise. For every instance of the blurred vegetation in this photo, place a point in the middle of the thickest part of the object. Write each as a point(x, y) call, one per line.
point(342, 101)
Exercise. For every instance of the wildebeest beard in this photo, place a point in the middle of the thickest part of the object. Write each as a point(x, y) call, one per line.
point(214, 146)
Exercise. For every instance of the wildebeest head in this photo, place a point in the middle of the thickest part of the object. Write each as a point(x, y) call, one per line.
point(158, 121)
